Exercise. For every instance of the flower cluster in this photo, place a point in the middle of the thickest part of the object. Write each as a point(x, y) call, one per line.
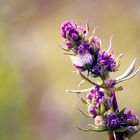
point(100, 108)
point(89, 59)
point(125, 120)
point(86, 51)
point(98, 103)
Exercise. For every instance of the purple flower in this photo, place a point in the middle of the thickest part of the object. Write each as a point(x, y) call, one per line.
point(107, 60)
point(83, 47)
point(92, 111)
point(73, 34)
point(97, 98)
point(130, 131)
point(109, 83)
point(112, 121)
point(66, 27)
point(129, 119)
point(81, 30)
point(94, 93)
point(98, 70)
point(68, 43)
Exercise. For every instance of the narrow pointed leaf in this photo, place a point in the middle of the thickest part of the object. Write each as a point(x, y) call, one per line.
point(110, 43)
point(63, 48)
point(83, 100)
point(128, 71)
point(119, 114)
point(129, 77)
point(81, 83)
point(86, 115)
point(99, 129)
point(79, 91)
point(89, 129)
point(73, 54)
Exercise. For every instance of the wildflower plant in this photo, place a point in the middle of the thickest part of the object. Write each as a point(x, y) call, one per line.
point(90, 62)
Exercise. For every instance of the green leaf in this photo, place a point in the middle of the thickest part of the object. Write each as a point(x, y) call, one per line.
point(83, 100)
point(119, 114)
point(121, 129)
point(98, 128)
point(80, 91)
point(86, 115)
point(94, 129)
point(102, 108)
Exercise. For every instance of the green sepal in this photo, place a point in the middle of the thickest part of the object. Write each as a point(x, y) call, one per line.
point(102, 108)
point(120, 114)
point(98, 128)
point(121, 129)
point(84, 114)
point(95, 128)
point(83, 100)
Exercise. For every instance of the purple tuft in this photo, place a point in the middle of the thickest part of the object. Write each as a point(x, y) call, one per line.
point(66, 27)
point(109, 83)
point(129, 119)
point(92, 111)
point(83, 47)
point(113, 121)
point(107, 60)
point(130, 131)
point(73, 34)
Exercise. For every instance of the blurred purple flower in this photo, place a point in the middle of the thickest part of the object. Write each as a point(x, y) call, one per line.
point(130, 131)
point(109, 83)
point(66, 27)
point(112, 121)
point(92, 111)
point(129, 119)
point(73, 34)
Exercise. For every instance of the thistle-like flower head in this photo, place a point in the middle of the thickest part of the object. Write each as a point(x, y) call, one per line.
point(112, 121)
point(66, 27)
point(129, 118)
point(107, 60)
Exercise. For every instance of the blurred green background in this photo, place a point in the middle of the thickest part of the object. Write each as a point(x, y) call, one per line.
point(34, 73)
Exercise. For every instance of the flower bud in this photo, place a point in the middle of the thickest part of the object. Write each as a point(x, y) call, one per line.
point(73, 34)
point(112, 121)
point(92, 111)
point(100, 121)
point(107, 60)
point(130, 131)
point(83, 48)
point(129, 119)
point(68, 44)
point(66, 27)
point(109, 83)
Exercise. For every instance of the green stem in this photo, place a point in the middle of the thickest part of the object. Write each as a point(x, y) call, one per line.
point(115, 135)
